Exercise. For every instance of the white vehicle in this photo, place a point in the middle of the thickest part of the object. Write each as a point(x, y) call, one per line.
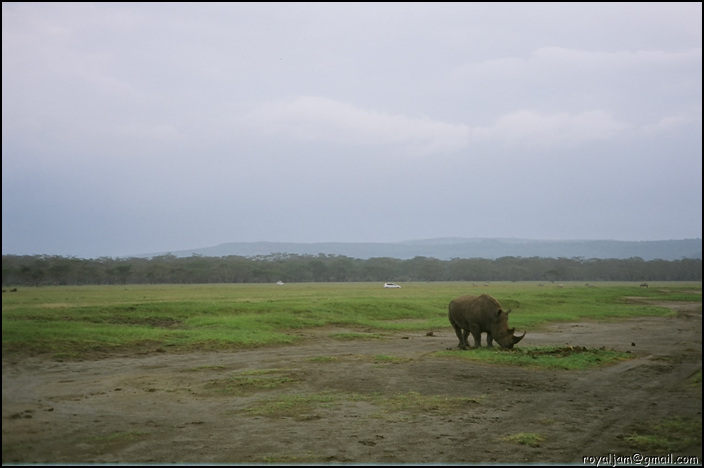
point(391, 285)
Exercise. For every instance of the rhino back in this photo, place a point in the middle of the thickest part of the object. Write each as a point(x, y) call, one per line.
point(470, 309)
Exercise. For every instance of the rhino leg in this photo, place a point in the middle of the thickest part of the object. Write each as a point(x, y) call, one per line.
point(477, 335)
point(489, 340)
point(465, 335)
point(460, 336)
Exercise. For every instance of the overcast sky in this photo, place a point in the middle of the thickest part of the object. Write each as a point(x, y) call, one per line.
point(130, 128)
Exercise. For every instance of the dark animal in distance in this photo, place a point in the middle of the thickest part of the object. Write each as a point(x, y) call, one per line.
point(481, 314)
point(643, 285)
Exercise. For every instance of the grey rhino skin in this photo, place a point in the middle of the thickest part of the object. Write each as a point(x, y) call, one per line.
point(481, 314)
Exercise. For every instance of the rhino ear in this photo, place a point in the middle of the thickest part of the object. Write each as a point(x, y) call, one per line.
point(509, 311)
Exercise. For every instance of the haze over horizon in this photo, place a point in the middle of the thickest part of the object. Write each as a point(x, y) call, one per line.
point(454, 248)
point(156, 127)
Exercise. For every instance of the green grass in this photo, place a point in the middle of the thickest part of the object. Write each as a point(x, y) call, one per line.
point(74, 322)
point(381, 406)
point(545, 357)
point(525, 438)
point(119, 436)
point(248, 382)
point(323, 359)
point(293, 405)
point(666, 436)
point(416, 402)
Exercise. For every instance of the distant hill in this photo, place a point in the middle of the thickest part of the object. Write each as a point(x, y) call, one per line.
point(448, 248)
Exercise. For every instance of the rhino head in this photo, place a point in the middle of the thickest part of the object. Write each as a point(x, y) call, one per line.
point(502, 334)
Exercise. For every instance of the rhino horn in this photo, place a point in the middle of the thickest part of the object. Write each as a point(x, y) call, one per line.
point(516, 339)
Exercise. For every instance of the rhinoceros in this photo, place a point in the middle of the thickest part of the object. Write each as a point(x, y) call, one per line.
point(481, 314)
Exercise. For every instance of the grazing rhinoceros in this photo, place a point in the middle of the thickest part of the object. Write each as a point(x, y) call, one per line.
point(481, 314)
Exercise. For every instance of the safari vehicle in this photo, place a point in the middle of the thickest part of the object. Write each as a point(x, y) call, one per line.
point(391, 285)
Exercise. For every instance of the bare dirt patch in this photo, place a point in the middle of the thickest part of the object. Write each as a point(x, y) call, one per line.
point(375, 400)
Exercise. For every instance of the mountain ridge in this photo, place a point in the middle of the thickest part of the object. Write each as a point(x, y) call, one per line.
point(456, 247)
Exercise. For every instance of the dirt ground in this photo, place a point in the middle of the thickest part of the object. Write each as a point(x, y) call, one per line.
point(165, 408)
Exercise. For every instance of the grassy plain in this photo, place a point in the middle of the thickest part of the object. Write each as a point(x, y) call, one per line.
point(348, 387)
point(72, 321)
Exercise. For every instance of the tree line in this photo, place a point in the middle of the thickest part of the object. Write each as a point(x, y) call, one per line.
point(40, 270)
